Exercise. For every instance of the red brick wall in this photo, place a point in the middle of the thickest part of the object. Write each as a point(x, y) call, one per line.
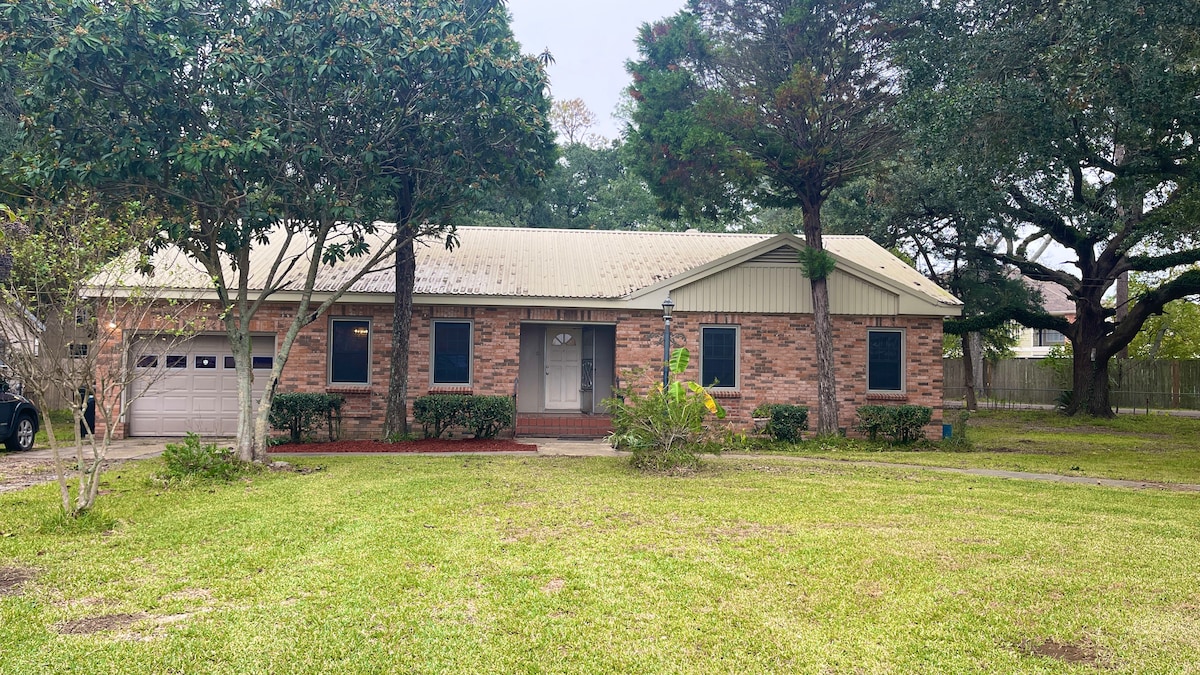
point(777, 359)
point(778, 362)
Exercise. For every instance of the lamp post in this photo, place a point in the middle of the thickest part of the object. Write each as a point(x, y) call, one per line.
point(667, 306)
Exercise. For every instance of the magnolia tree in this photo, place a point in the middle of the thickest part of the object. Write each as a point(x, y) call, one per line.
point(63, 317)
point(278, 132)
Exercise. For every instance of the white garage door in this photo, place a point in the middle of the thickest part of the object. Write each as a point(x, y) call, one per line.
point(190, 386)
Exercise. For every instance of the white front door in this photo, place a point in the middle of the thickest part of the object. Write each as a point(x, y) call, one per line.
point(563, 354)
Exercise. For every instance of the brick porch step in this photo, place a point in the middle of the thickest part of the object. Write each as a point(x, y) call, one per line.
point(563, 425)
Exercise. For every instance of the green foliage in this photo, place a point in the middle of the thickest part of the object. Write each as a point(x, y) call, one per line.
point(193, 458)
point(665, 428)
point(1072, 124)
point(483, 416)
point(786, 421)
point(816, 263)
point(901, 423)
point(1174, 334)
point(486, 416)
point(301, 413)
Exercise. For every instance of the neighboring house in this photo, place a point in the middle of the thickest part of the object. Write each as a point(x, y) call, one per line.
point(1036, 343)
point(557, 318)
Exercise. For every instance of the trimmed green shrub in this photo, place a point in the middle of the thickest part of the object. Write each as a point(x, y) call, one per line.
point(901, 423)
point(787, 421)
point(299, 414)
point(483, 416)
point(193, 458)
point(438, 412)
point(486, 416)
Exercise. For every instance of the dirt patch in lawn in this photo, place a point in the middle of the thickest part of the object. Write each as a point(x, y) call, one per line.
point(423, 445)
point(1067, 652)
point(97, 624)
point(12, 579)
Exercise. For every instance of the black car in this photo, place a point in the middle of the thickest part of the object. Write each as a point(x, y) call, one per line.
point(18, 421)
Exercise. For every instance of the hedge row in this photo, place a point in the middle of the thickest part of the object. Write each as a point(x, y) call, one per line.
point(483, 416)
point(785, 422)
point(901, 423)
point(299, 414)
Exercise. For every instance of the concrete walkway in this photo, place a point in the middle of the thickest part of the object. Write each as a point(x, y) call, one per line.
point(14, 465)
point(991, 473)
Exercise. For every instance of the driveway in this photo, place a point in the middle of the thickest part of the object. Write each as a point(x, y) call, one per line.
point(22, 469)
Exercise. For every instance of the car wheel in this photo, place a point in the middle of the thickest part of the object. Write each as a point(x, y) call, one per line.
point(22, 435)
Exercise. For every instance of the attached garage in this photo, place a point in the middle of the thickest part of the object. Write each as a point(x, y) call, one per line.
point(190, 386)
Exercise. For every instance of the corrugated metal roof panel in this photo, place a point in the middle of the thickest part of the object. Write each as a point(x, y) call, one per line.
point(527, 262)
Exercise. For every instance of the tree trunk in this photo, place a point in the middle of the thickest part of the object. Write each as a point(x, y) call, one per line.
point(969, 374)
point(240, 344)
point(827, 408)
point(1089, 365)
point(396, 421)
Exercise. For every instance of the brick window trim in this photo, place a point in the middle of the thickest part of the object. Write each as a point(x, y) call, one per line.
point(719, 392)
point(348, 389)
point(468, 390)
point(879, 396)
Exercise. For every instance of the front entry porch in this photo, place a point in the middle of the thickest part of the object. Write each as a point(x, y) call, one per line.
point(563, 425)
point(566, 370)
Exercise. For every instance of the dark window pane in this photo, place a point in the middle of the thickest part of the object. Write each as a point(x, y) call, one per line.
point(176, 361)
point(206, 362)
point(349, 355)
point(451, 352)
point(230, 364)
point(79, 350)
point(885, 360)
point(718, 363)
point(262, 362)
point(148, 361)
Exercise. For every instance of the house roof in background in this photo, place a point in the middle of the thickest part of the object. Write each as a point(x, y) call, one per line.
point(544, 263)
point(1054, 297)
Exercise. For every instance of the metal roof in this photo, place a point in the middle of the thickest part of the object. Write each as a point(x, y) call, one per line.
point(543, 263)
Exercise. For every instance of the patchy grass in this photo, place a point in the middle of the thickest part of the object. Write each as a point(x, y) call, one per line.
point(503, 564)
point(1134, 447)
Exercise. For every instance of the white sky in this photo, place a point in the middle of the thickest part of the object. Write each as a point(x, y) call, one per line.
point(590, 42)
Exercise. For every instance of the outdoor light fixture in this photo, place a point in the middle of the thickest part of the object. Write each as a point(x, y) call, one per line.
point(667, 306)
point(359, 331)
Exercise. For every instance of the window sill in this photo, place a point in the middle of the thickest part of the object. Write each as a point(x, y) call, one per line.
point(725, 393)
point(886, 396)
point(451, 389)
point(348, 389)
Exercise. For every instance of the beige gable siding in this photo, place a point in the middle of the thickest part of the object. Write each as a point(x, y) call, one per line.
point(761, 287)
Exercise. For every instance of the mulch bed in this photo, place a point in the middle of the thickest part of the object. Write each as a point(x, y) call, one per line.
point(423, 445)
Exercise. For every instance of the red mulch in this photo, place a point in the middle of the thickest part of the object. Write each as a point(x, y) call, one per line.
point(423, 445)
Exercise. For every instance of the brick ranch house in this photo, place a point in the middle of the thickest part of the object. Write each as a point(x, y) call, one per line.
point(556, 318)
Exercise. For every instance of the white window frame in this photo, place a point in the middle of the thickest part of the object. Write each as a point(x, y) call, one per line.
point(737, 357)
point(903, 360)
point(329, 355)
point(470, 354)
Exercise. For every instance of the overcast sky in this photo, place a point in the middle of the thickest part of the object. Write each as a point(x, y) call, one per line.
point(590, 41)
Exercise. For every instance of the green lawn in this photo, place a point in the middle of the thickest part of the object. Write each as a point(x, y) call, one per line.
point(1134, 447)
point(535, 565)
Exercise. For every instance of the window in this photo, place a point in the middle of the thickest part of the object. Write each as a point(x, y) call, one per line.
point(174, 361)
point(451, 352)
point(1049, 338)
point(230, 363)
point(262, 362)
point(148, 361)
point(350, 351)
point(206, 362)
point(719, 357)
point(885, 360)
point(79, 350)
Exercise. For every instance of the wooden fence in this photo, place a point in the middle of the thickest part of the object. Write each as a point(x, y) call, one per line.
point(1159, 384)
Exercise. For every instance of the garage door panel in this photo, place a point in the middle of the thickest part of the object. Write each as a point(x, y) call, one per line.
point(192, 398)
